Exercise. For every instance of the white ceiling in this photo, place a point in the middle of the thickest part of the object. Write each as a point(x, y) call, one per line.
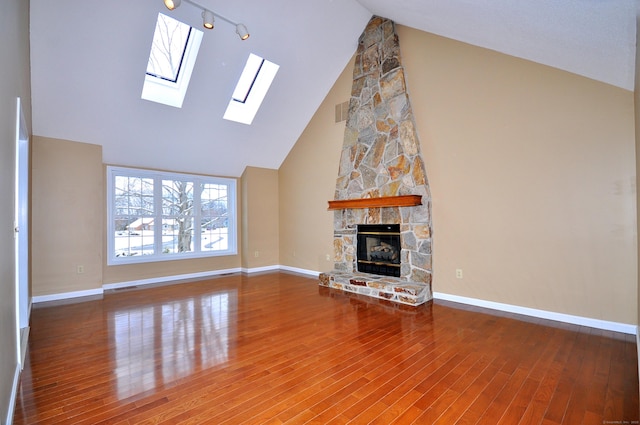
point(88, 59)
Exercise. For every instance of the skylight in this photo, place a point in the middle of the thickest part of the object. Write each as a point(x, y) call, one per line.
point(252, 87)
point(173, 55)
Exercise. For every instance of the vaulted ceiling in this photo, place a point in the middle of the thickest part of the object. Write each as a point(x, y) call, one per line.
point(88, 60)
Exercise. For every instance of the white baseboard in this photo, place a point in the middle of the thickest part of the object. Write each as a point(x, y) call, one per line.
point(66, 295)
point(166, 279)
point(14, 395)
point(283, 268)
point(542, 314)
point(301, 271)
point(260, 269)
point(141, 282)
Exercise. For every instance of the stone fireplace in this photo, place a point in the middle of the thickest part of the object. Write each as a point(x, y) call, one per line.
point(381, 178)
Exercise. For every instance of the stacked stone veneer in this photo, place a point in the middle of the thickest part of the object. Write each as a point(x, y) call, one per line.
point(382, 287)
point(381, 157)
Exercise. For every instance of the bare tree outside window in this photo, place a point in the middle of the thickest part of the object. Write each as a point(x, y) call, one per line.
point(168, 48)
point(177, 208)
point(172, 57)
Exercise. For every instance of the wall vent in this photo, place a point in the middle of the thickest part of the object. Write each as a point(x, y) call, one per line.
point(342, 110)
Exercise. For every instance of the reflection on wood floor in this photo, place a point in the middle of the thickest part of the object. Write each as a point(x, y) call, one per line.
point(277, 348)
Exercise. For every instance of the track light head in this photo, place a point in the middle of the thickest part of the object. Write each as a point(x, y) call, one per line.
point(172, 4)
point(207, 19)
point(241, 30)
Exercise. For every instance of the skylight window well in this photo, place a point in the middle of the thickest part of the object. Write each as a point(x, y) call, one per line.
point(252, 87)
point(173, 55)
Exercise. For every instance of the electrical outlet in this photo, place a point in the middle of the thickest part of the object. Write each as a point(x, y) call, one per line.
point(458, 273)
point(328, 257)
point(80, 269)
point(256, 254)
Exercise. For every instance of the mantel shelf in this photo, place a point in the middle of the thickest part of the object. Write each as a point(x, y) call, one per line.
point(384, 201)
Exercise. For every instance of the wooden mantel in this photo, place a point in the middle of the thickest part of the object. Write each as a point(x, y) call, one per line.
point(384, 201)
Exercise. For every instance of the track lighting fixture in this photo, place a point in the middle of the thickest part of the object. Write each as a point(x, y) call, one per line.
point(241, 30)
point(208, 17)
point(172, 4)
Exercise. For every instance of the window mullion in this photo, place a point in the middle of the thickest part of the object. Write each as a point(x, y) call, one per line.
point(111, 213)
point(197, 224)
point(158, 215)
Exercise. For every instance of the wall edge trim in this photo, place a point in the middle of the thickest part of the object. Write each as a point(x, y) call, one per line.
point(542, 314)
point(14, 395)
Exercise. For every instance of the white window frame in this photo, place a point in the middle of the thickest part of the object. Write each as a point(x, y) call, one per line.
point(158, 177)
point(167, 92)
point(251, 89)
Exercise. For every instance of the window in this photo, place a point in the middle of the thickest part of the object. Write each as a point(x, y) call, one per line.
point(173, 55)
point(155, 216)
point(252, 87)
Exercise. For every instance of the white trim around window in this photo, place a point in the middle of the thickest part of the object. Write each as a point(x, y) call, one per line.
point(162, 216)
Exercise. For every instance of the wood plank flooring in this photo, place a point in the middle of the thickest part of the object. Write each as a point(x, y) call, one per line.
point(276, 348)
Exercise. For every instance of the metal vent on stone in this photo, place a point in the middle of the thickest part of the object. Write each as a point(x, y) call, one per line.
point(342, 110)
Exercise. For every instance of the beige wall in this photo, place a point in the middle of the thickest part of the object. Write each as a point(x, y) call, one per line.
point(142, 271)
point(68, 216)
point(69, 204)
point(260, 227)
point(308, 180)
point(14, 56)
point(532, 176)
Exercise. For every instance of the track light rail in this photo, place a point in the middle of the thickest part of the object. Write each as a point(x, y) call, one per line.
point(207, 14)
point(217, 15)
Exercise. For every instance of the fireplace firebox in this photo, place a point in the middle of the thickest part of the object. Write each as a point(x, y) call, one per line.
point(378, 249)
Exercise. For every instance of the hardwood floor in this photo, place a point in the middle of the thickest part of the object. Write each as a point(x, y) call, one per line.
point(277, 348)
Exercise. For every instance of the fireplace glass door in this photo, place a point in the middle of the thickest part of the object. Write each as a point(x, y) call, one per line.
point(378, 249)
